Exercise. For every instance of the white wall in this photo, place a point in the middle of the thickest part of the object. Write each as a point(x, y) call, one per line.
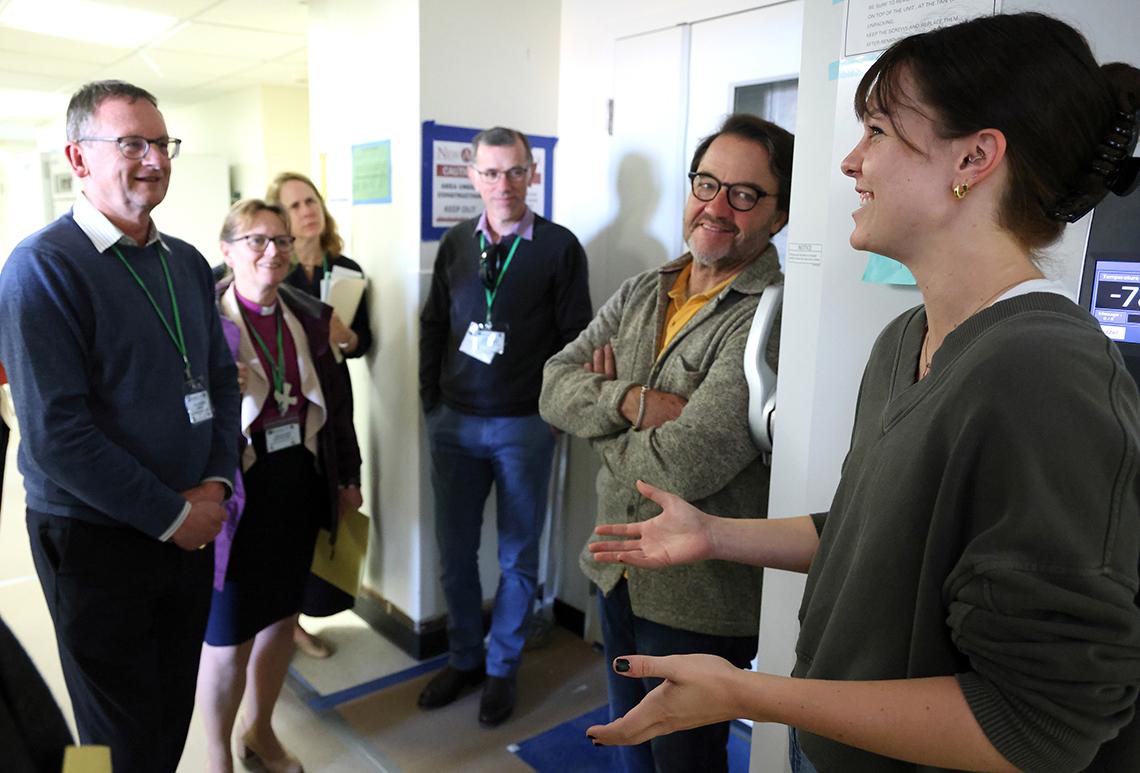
point(21, 194)
point(364, 86)
point(260, 131)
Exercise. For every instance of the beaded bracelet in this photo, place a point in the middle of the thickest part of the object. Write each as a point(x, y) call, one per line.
point(641, 406)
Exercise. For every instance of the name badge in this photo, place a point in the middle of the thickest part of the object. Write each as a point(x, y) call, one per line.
point(282, 435)
point(483, 343)
point(197, 401)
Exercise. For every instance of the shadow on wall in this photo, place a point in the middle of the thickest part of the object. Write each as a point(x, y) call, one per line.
point(626, 247)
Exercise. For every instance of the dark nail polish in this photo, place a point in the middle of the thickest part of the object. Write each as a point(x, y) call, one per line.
point(621, 665)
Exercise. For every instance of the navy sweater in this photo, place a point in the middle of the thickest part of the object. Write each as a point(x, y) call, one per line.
point(99, 385)
point(543, 303)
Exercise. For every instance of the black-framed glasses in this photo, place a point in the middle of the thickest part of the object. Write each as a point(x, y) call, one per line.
point(134, 147)
point(514, 174)
point(741, 196)
point(259, 242)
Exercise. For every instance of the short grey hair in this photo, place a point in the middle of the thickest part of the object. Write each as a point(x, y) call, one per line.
point(501, 137)
point(86, 101)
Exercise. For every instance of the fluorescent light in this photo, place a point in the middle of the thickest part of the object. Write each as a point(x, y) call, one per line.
point(86, 20)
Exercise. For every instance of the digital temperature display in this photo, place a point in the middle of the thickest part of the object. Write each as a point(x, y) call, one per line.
point(1116, 299)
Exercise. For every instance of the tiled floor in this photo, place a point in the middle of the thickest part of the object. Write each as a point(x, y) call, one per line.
point(310, 716)
point(320, 739)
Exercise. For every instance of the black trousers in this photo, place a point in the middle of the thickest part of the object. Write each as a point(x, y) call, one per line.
point(129, 614)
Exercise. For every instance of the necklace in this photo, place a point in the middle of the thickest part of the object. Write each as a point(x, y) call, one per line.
point(925, 359)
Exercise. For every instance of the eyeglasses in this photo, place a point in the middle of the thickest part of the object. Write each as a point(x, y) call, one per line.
point(514, 174)
point(135, 148)
point(258, 242)
point(741, 196)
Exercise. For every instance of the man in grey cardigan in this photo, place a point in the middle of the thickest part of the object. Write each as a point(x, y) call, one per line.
point(656, 383)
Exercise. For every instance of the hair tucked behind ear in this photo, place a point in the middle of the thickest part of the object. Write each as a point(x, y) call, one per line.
point(1070, 124)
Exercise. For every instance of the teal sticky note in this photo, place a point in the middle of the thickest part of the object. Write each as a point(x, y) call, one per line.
point(886, 271)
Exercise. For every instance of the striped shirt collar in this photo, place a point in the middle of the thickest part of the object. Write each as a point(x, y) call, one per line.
point(102, 232)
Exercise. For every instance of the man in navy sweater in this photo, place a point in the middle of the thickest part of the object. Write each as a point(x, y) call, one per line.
point(509, 290)
point(127, 401)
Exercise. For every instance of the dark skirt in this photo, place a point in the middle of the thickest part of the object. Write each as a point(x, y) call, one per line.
point(273, 547)
point(322, 598)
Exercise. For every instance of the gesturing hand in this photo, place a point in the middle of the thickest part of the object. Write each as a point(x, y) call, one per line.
point(679, 535)
point(697, 691)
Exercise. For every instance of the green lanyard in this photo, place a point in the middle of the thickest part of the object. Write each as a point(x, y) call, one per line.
point(277, 369)
point(325, 263)
point(179, 339)
point(498, 281)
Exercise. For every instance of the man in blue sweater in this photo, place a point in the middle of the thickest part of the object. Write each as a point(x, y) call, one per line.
point(509, 290)
point(127, 400)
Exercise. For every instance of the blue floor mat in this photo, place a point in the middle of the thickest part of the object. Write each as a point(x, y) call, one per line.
point(566, 748)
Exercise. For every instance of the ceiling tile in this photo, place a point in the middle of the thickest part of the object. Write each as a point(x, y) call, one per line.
point(217, 47)
point(291, 16)
point(183, 9)
point(59, 48)
point(44, 65)
point(208, 39)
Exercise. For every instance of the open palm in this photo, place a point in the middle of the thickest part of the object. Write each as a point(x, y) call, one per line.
point(678, 535)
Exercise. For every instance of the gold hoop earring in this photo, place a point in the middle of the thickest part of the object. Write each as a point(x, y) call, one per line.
point(960, 190)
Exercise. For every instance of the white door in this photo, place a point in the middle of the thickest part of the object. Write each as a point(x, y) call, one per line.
point(671, 88)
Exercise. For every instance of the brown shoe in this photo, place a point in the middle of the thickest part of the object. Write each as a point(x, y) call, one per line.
point(446, 686)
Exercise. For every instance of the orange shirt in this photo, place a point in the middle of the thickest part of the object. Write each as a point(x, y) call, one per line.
point(682, 309)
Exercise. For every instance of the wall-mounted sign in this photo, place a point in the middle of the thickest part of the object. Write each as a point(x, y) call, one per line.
point(372, 173)
point(872, 25)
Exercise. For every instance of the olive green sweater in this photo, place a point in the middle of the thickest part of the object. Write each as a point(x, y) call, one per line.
point(705, 455)
point(987, 525)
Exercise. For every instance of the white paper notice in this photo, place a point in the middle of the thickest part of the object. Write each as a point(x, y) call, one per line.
point(872, 25)
point(454, 199)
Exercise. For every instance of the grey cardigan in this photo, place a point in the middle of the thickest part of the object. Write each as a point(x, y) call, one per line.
point(705, 456)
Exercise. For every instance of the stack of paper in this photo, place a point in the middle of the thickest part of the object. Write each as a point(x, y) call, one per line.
point(342, 288)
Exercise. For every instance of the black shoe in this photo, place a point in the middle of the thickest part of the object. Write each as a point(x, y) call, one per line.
point(498, 701)
point(447, 684)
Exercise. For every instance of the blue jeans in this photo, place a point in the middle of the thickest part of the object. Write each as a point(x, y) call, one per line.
point(702, 748)
point(796, 757)
point(468, 454)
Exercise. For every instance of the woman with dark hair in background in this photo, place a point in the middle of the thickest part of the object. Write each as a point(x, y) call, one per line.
point(300, 468)
point(971, 599)
point(316, 253)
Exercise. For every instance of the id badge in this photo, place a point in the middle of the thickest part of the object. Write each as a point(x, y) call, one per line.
point(483, 343)
point(197, 401)
point(282, 435)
